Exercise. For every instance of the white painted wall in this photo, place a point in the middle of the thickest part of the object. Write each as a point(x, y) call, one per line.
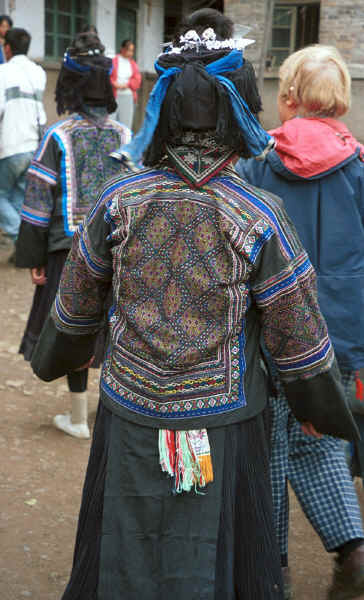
point(30, 15)
point(104, 20)
point(150, 31)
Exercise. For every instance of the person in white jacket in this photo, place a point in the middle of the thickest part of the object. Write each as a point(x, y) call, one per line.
point(22, 117)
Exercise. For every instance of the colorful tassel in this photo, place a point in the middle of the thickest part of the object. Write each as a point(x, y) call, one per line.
point(167, 451)
point(186, 456)
point(359, 387)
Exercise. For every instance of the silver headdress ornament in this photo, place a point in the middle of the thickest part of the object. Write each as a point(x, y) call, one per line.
point(192, 41)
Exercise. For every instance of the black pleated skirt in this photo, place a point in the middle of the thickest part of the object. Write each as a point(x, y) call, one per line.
point(43, 299)
point(138, 541)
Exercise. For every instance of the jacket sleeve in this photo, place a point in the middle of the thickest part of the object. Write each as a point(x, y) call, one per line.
point(250, 170)
point(283, 286)
point(2, 89)
point(68, 338)
point(136, 78)
point(42, 179)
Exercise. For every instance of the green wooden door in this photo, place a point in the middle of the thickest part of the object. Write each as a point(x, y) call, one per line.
point(126, 19)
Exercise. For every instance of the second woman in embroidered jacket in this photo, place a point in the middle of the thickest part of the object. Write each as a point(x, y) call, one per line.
point(69, 168)
point(200, 266)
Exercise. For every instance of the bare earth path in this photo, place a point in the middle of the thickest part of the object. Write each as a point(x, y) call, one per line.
point(42, 470)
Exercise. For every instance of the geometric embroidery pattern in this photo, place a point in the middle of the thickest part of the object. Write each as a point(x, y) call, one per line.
point(186, 266)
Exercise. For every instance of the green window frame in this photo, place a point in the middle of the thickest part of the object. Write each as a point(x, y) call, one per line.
point(63, 20)
point(295, 25)
point(283, 32)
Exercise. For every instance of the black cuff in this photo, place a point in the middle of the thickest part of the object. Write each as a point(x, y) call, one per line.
point(321, 401)
point(57, 354)
point(31, 246)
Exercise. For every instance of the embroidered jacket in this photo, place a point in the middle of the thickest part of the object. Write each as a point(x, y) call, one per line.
point(63, 181)
point(197, 276)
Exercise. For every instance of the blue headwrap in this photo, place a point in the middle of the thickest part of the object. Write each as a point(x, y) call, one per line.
point(73, 65)
point(256, 138)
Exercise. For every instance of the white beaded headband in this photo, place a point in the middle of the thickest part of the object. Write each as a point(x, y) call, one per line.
point(192, 41)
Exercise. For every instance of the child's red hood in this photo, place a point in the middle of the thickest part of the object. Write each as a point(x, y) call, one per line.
point(310, 146)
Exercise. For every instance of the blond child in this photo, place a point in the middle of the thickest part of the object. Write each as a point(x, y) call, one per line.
point(317, 169)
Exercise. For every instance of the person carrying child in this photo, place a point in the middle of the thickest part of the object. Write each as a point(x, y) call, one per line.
point(317, 168)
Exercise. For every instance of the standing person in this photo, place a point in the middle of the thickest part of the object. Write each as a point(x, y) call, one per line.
point(317, 168)
point(126, 80)
point(6, 23)
point(89, 29)
point(200, 265)
point(22, 84)
point(68, 169)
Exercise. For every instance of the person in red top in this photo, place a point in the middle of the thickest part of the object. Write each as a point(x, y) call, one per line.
point(125, 80)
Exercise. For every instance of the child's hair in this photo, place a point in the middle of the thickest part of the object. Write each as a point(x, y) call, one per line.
point(317, 79)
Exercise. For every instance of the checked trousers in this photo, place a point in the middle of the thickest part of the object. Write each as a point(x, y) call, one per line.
point(317, 471)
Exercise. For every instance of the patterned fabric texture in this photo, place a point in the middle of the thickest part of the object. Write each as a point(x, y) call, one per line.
point(65, 174)
point(319, 475)
point(135, 535)
point(190, 270)
point(197, 157)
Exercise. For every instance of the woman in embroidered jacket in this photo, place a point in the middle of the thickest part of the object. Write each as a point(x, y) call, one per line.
point(70, 166)
point(200, 266)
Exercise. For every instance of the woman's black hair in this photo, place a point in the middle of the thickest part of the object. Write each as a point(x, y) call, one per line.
point(89, 29)
point(126, 43)
point(6, 18)
point(18, 40)
point(198, 101)
point(93, 87)
point(204, 18)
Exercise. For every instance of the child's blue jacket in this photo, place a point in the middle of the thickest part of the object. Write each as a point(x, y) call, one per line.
point(318, 170)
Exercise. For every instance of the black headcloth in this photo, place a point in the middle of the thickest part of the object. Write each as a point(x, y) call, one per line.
point(197, 101)
point(85, 76)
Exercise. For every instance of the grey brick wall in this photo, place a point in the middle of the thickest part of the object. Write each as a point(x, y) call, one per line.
point(342, 25)
point(248, 12)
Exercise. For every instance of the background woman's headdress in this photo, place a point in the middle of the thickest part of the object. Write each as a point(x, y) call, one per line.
point(85, 76)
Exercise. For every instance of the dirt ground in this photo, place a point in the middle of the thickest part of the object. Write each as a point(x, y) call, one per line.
point(42, 470)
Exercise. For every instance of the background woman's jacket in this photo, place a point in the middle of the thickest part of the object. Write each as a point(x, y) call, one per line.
point(134, 81)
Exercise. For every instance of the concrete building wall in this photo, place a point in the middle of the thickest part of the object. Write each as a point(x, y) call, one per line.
point(246, 12)
point(342, 25)
point(30, 15)
point(149, 44)
point(150, 33)
point(103, 17)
